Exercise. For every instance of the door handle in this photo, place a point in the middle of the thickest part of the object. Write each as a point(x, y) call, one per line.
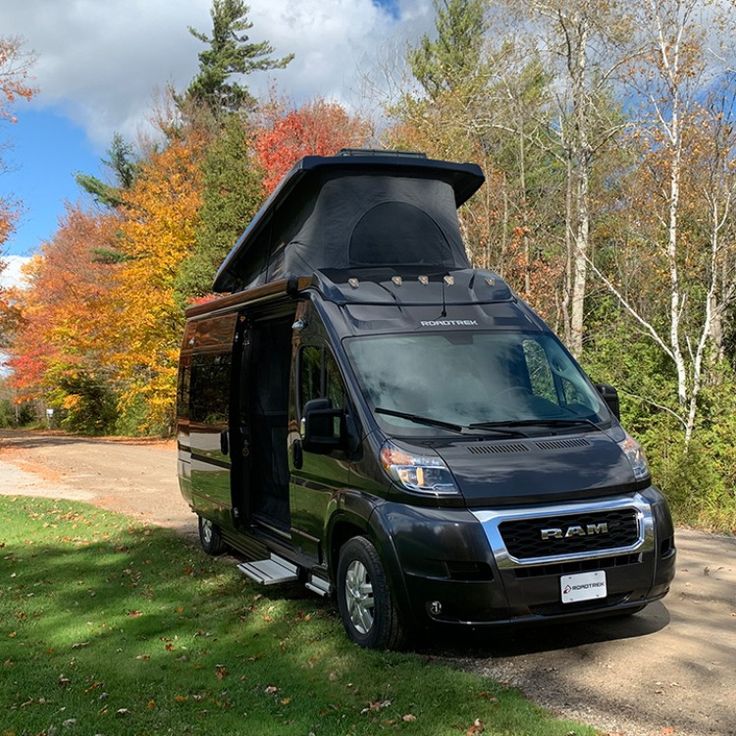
point(224, 442)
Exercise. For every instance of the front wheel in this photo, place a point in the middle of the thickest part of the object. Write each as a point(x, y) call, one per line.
point(364, 597)
point(210, 537)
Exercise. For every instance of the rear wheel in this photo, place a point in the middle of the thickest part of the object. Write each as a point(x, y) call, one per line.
point(210, 537)
point(364, 597)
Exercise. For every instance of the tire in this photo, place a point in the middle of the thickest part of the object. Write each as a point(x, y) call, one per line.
point(369, 615)
point(210, 537)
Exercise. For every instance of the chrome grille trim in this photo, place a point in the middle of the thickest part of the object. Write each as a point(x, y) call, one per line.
point(491, 520)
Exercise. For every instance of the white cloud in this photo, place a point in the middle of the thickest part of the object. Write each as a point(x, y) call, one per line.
point(100, 62)
point(11, 275)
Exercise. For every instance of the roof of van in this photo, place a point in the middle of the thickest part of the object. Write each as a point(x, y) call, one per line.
point(252, 261)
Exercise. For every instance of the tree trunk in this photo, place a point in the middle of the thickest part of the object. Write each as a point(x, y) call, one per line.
point(581, 155)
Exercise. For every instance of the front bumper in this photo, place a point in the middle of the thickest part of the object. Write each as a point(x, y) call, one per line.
point(458, 559)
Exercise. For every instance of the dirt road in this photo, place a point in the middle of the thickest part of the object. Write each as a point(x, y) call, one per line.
point(668, 670)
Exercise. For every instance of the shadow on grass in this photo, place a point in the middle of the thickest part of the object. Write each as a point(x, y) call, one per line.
point(124, 629)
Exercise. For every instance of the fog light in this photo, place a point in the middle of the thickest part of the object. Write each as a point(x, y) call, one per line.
point(435, 608)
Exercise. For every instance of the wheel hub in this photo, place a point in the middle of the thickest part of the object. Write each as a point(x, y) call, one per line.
point(206, 531)
point(359, 596)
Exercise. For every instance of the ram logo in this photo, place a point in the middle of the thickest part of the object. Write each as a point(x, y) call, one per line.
point(589, 530)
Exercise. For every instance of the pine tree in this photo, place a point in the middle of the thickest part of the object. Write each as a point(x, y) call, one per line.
point(231, 195)
point(229, 52)
point(445, 63)
point(124, 167)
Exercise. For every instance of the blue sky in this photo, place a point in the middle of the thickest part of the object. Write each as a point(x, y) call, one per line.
point(47, 151)
point(125, 51)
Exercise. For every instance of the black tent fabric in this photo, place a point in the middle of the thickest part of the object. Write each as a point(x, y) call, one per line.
point(352, 216)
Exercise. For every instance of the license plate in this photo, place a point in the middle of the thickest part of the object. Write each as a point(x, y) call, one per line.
point(583, 586)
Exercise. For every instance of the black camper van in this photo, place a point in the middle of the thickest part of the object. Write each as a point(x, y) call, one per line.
point(367, 414)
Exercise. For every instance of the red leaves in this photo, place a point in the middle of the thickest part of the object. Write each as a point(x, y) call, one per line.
point(318, 128)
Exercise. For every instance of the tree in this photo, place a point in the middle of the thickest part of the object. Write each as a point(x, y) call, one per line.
point(688, 183)
point(318, 128)
point(229, 53)
point(15, 69)
point(161, 215)
point(445, 64)
point(124, 167)
point(59, 351)
point(593, 39)
point(232, 192)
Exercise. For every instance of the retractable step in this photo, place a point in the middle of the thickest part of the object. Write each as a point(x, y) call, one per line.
point(270, 571)
point(318, 585)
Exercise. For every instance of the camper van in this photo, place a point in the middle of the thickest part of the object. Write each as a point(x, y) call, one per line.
point(365, 414)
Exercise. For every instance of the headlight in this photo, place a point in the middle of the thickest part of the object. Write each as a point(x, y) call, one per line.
point(423, 473)
point(635, 455)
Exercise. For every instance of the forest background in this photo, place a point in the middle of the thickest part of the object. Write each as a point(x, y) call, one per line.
point(606, 132)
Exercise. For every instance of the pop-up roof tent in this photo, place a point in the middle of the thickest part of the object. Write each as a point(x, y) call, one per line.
point(355, 210)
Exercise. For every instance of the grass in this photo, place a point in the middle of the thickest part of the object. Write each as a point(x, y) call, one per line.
point(109, 627)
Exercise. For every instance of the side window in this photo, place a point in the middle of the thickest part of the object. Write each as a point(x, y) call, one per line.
point(319, 377)
point(210, 388)
point(573, 395)
point(334, 387)
point(310, 371)
point(182, 394)
point(540, 373)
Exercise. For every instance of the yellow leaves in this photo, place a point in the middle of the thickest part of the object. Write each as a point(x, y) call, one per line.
point(156, 236)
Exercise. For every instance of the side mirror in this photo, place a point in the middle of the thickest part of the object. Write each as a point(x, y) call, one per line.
point(610, 396)
point(322, 427)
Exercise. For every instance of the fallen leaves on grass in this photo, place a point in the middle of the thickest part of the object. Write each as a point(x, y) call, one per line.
point(375, 705)
point(271, 690)
point(64, 681)
point(475, 727)
point(408, 718)
point(221, 672)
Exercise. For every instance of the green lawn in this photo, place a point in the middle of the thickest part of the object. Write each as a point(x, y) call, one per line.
point(108, 627)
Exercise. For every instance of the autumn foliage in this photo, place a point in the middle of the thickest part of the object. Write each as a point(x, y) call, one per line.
point(318, 128)
point(103, 316)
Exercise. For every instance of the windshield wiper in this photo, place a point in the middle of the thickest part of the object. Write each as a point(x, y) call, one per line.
point(445, 425)
point(551, 422)
point(419, 419)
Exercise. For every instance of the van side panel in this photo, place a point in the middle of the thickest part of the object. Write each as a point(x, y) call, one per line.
point(210, 364)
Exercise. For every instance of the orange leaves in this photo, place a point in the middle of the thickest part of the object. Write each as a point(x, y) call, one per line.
point(64, 319)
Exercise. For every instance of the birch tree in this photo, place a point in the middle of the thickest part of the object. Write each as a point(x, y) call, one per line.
point(690, 102)
point(591, 38)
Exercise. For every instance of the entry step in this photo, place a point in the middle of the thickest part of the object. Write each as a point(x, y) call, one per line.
point(319, 585)
point(270, 571)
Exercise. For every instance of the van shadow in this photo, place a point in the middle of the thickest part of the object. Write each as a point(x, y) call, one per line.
point(514, 641)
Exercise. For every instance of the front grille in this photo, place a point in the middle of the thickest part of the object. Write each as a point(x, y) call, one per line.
point(567, 568)
point(523, 537)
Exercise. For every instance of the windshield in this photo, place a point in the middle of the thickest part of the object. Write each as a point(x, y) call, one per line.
point(467, 378)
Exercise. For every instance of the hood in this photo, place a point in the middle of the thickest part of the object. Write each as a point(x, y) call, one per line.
point(538, 469)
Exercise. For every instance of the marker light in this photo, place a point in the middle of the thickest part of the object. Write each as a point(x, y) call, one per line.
point(422, 473)
point(635, 455)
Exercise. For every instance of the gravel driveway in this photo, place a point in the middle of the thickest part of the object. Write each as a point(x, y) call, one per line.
point(670, 670)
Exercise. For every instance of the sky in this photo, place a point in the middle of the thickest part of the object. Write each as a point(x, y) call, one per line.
point(100, 65)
